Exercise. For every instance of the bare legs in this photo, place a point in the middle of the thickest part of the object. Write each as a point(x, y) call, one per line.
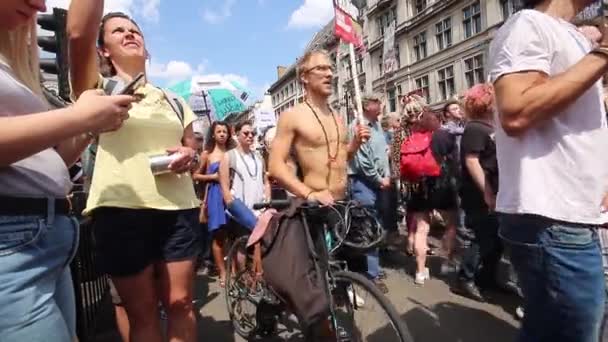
point(172, 284)
point(217, 248)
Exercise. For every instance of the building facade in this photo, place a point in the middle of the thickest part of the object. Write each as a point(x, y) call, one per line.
point(441, 45)
point(441, 49)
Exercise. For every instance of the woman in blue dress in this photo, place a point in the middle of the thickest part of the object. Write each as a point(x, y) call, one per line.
point(217, 143)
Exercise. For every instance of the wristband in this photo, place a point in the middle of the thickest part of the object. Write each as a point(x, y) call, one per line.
point(601, 50)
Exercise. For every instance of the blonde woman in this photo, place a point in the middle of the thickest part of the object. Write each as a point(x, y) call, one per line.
point(145, 223)
point(38, 238)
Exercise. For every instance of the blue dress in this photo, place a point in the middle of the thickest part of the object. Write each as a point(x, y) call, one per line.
point(215, 202)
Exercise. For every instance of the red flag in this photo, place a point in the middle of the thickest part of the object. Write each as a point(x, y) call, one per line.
point(345, 28)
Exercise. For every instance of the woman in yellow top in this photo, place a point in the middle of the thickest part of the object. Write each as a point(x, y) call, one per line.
point(144, 223)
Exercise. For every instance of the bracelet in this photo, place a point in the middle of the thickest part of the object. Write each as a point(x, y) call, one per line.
point(601, 50)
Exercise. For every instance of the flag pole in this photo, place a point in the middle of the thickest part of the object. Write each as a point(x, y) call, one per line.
point(353, 69)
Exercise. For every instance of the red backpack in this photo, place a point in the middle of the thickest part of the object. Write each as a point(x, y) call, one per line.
point(417, 158)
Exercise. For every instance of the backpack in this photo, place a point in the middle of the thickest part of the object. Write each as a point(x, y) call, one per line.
point(417, 159)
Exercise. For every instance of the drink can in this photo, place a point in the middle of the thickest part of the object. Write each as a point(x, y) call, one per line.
point(159, 164)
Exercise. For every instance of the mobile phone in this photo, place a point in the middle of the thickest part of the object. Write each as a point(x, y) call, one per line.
point(129, 89)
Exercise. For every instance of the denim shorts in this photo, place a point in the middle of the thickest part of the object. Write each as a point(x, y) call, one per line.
point(129, 240)
point(559, 267)
point(36, 290)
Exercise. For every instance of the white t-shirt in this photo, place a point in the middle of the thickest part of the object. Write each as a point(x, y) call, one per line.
point(43, 174)
point(557, 169)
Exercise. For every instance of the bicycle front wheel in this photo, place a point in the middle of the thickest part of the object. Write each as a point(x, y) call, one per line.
point(362, 313)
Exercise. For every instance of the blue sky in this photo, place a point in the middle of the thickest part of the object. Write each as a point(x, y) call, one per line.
point(243, 40)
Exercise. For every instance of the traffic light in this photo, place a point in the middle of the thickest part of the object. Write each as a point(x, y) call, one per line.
point(56, 44)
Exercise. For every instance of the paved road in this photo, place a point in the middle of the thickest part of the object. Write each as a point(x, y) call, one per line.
point(432, 312)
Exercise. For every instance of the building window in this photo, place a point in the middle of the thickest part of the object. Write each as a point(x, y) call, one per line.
point(420, 50)
point(385, 19)
point(472, 19)
point(420, 6)
point(380, 65)
point(509, 7)
point(397, 55)
point(473, 70)
point(291, 88)
point(443, 33)
point(359, 64)
point(392, 103)
point(447, 86)
point(349, 71)
point(422, 84)
point(399, 90)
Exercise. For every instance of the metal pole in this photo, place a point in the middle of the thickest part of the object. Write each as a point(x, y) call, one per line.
point(207, 111)
point(353, 69)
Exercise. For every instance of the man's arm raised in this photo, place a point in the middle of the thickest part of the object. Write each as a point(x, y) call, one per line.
point(279, 155)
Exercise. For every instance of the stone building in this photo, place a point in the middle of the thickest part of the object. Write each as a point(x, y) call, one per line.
point(442, 45)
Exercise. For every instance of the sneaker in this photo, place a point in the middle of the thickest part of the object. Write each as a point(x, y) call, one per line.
point(421, 277)
point(447, 267)
point(519, 313)
point(355, 299)
point(470, 290)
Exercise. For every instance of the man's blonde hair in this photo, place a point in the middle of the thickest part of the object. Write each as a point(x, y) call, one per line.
point(301, 66)
point(19, 49)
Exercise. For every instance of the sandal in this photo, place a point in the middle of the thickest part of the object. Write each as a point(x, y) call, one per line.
point(380, 285)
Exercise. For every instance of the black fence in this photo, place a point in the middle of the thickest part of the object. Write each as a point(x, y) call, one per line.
point(90, 286)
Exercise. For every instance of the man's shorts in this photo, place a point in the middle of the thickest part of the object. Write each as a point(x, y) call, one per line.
point(129, 240)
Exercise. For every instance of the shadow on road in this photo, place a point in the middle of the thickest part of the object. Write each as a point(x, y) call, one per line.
point(207, 325)
point(452, 322)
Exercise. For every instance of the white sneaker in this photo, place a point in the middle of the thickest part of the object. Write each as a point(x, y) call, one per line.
point(421, 277)
point(355, 298)
point(447, 267)
point(519, 312)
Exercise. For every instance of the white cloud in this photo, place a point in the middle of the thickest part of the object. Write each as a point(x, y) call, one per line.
point(312, 14)
point(174, 71)
point(148, 10)
point(242, 80)
point(215, 16)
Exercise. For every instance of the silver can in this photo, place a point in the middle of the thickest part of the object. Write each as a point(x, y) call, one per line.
point(159, 164)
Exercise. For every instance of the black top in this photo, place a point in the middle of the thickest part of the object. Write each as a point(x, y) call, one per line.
point(478, 138)
point(443, 144)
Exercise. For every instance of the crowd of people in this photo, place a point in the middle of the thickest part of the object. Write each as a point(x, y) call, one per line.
point(514, 167)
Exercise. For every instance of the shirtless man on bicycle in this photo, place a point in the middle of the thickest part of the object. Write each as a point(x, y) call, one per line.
point(319, 140)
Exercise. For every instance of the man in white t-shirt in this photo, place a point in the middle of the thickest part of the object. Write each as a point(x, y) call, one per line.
point(551, 148)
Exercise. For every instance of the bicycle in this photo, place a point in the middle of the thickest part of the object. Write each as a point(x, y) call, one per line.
point(345, 290)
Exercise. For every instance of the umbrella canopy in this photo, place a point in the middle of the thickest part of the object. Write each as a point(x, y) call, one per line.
point(214, 96)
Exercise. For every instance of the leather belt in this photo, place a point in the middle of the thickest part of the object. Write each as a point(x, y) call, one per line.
point(15, 206)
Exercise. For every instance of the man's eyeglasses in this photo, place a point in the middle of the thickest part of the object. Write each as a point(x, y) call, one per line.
point(320, 68)
point(251, 133)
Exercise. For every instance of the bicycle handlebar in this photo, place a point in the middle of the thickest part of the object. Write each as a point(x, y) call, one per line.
point(285, 203)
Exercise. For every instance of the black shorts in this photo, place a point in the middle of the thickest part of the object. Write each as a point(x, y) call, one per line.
point(432, 193)
point(129, 240)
